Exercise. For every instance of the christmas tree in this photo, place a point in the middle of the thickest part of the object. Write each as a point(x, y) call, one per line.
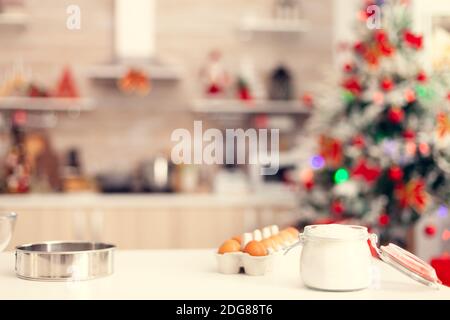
point(380, 135)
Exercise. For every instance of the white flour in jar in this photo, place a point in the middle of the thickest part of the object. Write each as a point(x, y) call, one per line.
point(336, 257)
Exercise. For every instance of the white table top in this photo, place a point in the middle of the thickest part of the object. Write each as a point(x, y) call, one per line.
point(191, 274)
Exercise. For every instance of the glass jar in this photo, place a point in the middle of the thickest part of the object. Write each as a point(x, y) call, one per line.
point(339, 258)
point(335, 257)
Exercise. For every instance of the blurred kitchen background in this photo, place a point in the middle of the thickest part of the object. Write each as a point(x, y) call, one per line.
point(87, 108)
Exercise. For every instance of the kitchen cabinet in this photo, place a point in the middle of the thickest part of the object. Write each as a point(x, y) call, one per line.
point(144, 221)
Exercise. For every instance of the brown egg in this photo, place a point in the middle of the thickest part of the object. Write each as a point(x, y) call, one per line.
point(269, 244)
point(292, 231)
point(278, 240)
point(229, 246)
point(238, 239)
point(256, 249)
point(287, 236)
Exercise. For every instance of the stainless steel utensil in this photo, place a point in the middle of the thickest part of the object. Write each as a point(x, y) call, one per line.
point(7, 222)
point(64, 261)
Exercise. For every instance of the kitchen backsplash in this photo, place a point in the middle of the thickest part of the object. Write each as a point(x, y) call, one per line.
point(141, 127)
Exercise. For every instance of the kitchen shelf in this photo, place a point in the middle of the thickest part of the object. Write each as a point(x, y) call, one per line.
point(46, 104)
point(274, 26)
point(13, 19)
point(117, 71)
point(227, 106)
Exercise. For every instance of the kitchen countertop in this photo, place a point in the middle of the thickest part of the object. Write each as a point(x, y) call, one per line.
point(192, 274)
point(69, 200)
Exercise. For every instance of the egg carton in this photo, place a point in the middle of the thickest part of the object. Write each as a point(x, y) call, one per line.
point(236, 262)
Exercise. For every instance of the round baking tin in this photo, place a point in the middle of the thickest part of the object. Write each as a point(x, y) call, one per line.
point(64, 260)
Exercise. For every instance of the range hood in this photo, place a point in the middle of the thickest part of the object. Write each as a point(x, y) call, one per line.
point(134, 43)
point(134, 30)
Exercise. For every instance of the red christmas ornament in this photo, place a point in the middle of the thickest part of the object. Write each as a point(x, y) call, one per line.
point(395, 173)
point(430, 230)
point(396, 115)
point(409, 134)
point(412, 40)
point(358, 141)
point(421, 77)
point(367, 172)
point(383, 219)
point(353, 85)
point(337, 207)
point(387, 84)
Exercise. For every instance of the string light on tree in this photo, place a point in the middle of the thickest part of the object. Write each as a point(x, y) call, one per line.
point(341, 175)
point(442, 211)
point(317, 162)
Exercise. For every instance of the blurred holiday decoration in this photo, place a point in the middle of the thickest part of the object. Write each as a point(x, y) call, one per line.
point(66, 87)
point(18, 82)
point(214, 75)
point(13, 85)
point(281, 87)
point(243, 90)
point(382, 132)
point(135, 81)
point(249, 86)
point(36, 91)
point(16, 170)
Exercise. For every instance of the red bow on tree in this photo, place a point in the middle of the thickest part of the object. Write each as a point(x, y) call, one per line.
point(412, 40)
point(384, 46)
point(353, 85)
point(412, 195)
point(368, 172)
